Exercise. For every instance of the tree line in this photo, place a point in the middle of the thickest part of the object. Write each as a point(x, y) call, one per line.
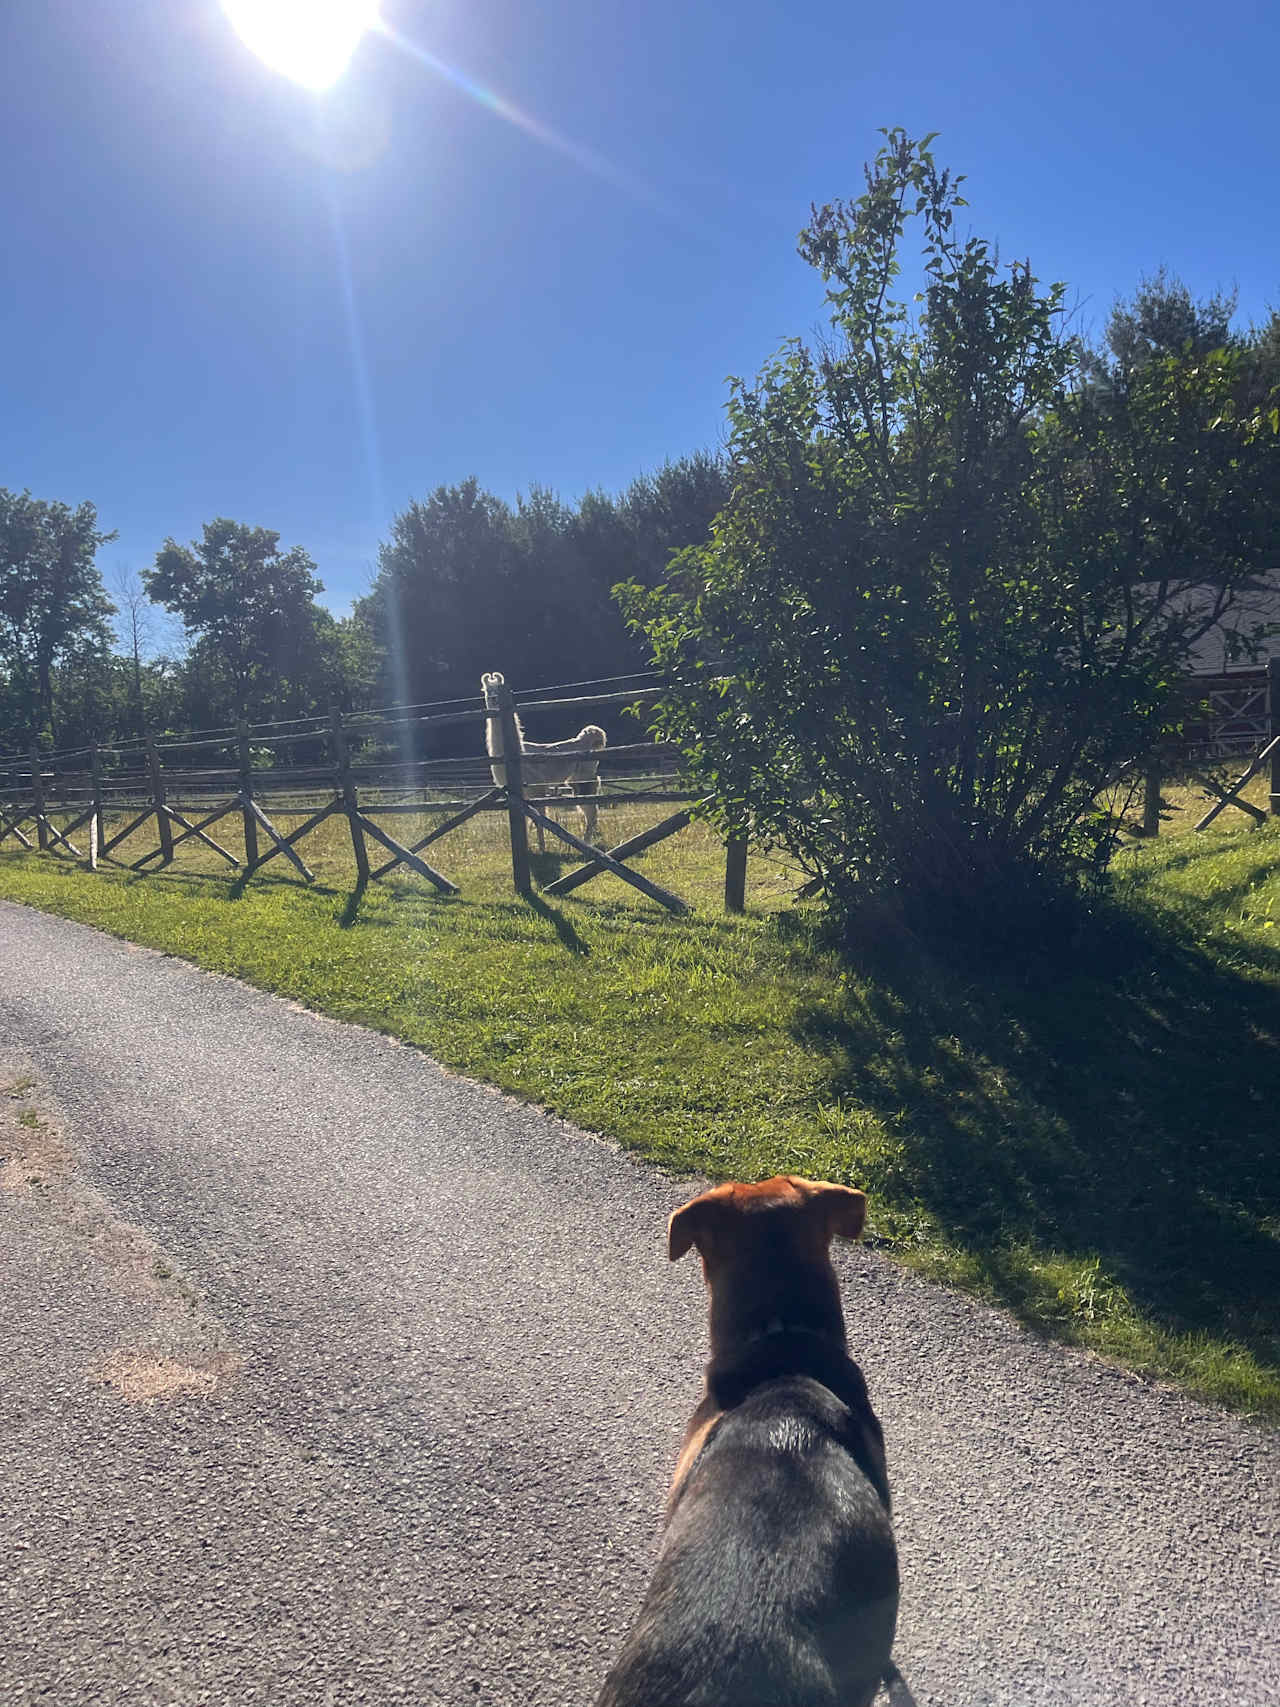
point(466, 582)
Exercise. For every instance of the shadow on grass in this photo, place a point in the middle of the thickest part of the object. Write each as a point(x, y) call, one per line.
point(1122, 1101)
point(546, 867)
point(561, 924)
point(407, 908)
point(248, 883)
point(351, 907)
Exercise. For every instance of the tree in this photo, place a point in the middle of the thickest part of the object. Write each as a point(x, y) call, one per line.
point(1183, 404)
point(469, 583)
point(251, 613)
point(635, 535)
point(440, 604)
point(133, 636)
point(53, 608)
point(354, 660)
point(949, 590)
point(1163, 319)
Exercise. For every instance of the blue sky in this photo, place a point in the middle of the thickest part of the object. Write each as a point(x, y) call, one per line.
point(224, 295)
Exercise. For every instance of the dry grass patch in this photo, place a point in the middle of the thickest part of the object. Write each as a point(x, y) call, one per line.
point(178, 1347)
point(32, 1151)
point(142, 1380)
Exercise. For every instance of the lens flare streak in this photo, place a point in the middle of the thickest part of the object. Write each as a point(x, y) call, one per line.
point(372, 452)
point(585, 158)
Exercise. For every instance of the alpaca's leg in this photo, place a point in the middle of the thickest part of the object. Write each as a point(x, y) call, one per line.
point(590, 811)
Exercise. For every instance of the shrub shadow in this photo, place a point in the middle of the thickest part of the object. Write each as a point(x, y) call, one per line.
point(1119, 1098)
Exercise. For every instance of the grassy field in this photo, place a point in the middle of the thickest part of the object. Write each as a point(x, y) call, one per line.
point(1090, 1143)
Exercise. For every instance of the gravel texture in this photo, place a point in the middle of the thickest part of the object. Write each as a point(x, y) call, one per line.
point(330, 1378)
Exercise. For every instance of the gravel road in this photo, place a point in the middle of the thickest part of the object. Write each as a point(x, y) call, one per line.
point(330, 1378)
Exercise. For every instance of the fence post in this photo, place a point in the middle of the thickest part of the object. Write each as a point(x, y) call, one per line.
point(1151, 799)
point(1273, 729)
point(99, 814)
point(95, 810)
point(517, 823)
point(735, 873)
point(350, 799)
point(157, 795)
point(246, 795)
point(37, 800)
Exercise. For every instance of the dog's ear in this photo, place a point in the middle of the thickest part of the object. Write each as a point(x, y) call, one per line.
point(686, 1227)
point(841, 1208)
point(845, 1210)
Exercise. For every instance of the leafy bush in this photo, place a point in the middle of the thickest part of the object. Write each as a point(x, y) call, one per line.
point(959, 570)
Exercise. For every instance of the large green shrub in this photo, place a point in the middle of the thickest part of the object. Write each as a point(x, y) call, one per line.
point(956, 578)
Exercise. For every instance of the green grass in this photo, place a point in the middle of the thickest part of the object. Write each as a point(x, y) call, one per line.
point(1090, 1143)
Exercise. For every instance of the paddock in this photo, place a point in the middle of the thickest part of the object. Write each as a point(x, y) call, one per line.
point(349, 800)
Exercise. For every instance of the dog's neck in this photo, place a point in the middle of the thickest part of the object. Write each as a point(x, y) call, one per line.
point(777, 1348)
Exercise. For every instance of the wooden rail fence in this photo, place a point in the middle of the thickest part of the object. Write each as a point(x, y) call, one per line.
point(103, 796)
point(1240, 719)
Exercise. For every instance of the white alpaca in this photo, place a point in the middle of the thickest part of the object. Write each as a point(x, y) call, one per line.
point(547, 764)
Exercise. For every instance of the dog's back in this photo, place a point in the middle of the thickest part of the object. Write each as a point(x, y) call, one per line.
point(777, 1581)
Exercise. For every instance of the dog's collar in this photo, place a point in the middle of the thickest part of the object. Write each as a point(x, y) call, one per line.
point(779, 1348)
point(776, 1327)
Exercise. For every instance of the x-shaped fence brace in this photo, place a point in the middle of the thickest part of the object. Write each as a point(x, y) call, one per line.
point(282, 843)
point(1230, 796)
point(403, 855)
point(613, 860)
point(188, 830)
point(11, 828)
point(485, 800)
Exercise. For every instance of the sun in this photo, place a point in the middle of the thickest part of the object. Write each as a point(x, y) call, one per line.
point(310, 41)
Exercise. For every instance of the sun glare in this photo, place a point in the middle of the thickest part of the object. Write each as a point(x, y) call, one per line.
point(310, 41)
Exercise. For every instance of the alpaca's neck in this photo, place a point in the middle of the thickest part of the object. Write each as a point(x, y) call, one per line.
point(493, 734)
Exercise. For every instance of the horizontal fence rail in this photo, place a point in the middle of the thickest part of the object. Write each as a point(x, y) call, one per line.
point(364, 767)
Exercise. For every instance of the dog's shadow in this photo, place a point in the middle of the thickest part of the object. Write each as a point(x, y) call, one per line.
point(896, 1692)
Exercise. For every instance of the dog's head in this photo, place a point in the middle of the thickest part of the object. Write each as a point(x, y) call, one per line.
point(592, 736)
point(765, 1253)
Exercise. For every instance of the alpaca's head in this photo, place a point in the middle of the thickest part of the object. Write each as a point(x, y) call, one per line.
point(592, 736)
point(489, 685)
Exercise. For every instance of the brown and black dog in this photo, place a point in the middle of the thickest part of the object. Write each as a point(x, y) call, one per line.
point(777, 1577)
